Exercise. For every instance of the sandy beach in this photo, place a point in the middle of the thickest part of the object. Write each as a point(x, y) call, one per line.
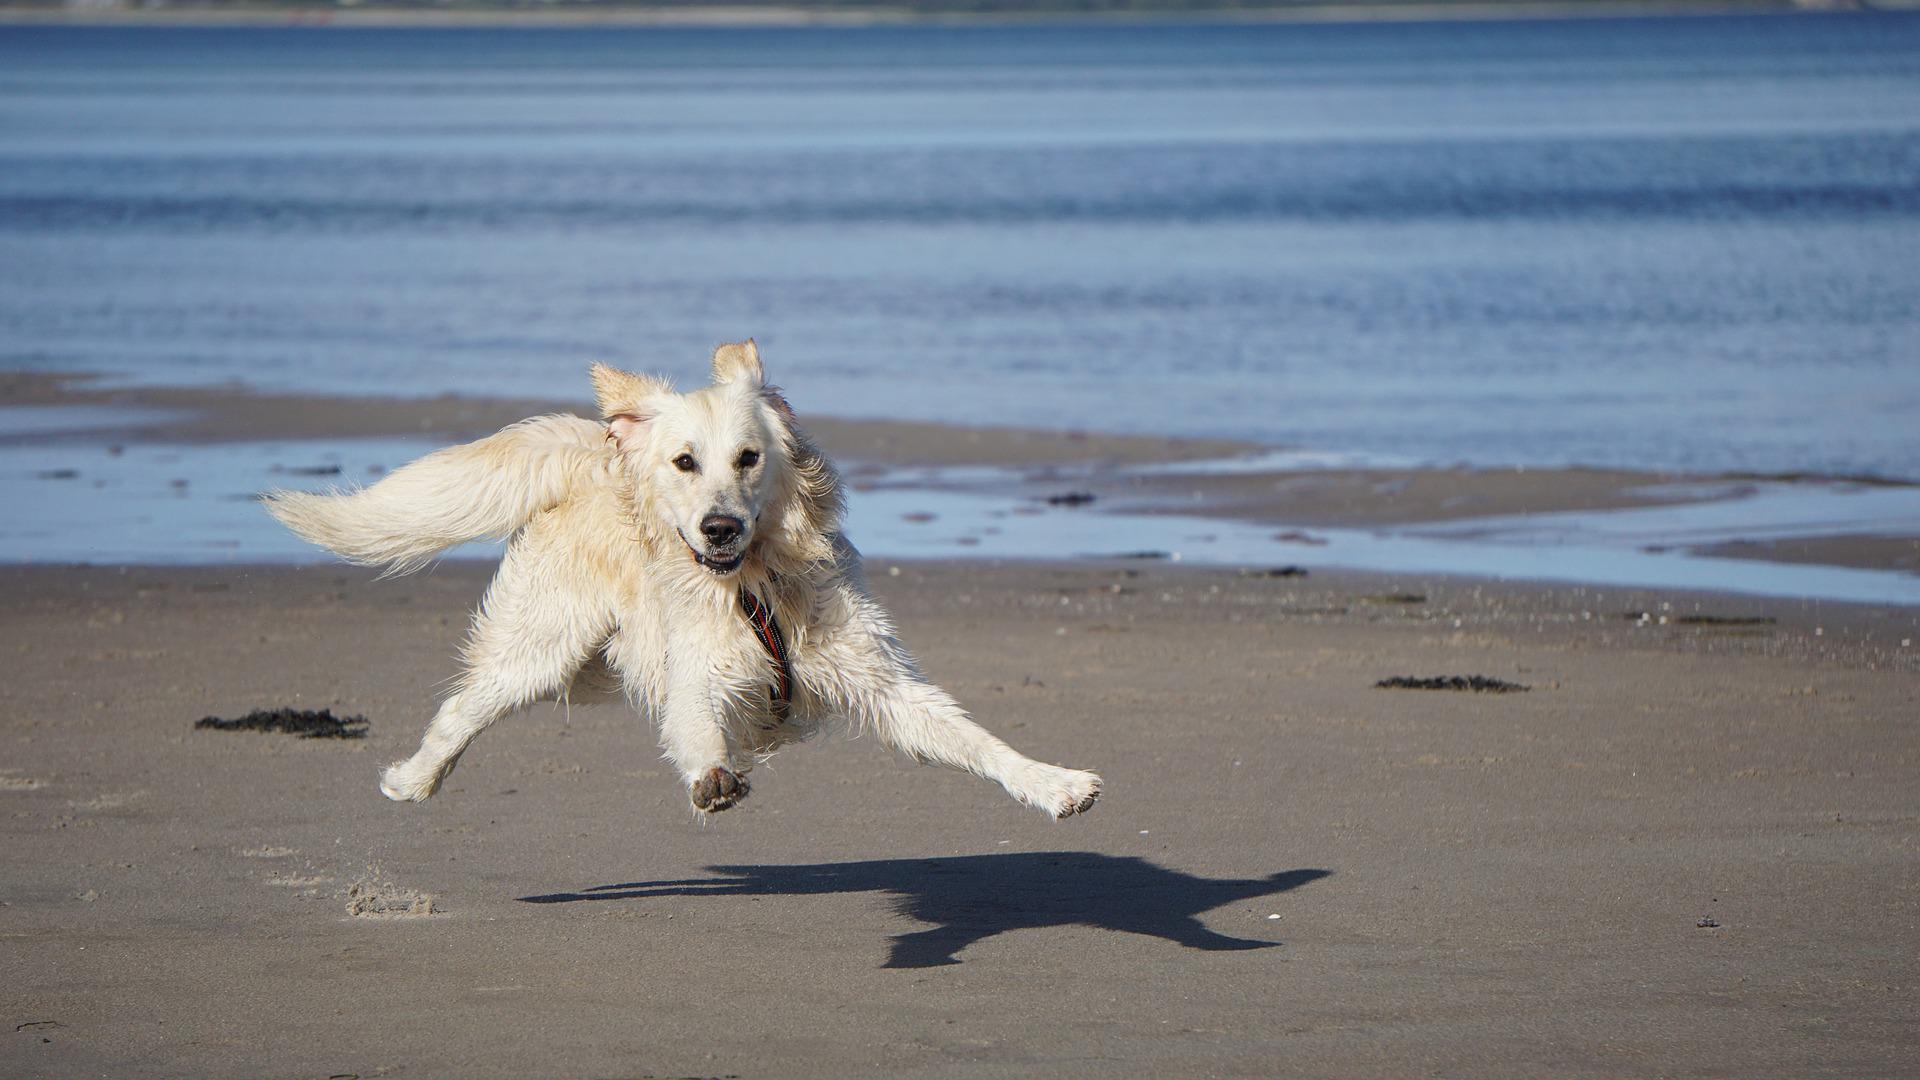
point(1686, 849)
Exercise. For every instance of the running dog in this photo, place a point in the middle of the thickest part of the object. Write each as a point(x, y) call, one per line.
point(685, 550)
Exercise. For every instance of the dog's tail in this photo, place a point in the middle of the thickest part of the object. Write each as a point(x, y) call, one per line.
point(483, 489)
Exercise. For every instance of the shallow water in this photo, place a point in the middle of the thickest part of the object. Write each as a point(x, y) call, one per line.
point(1644, 547)
point(158, 503)
point(1675, 244)
point(148, 503)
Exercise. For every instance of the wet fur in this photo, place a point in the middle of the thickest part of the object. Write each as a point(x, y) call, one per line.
point(609, 582)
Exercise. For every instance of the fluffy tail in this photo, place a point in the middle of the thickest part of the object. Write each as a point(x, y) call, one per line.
point(479, 489)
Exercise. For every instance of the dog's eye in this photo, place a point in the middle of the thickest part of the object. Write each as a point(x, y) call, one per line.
point(748, 459)
point(685, 463)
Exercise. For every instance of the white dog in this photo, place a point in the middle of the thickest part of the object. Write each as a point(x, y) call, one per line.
point(690, 544)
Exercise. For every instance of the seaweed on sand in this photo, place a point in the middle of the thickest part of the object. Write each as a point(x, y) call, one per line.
point(302, 722)
point(1479, 684)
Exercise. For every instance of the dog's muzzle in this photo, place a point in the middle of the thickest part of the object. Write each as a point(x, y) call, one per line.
point(716, 564)
point(724, 537)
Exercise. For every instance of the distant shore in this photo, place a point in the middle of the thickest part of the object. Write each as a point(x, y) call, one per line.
point(777, 15)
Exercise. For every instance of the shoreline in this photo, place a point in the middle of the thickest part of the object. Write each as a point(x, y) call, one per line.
point(223, 414)
point(232, 413)
point(179, 466)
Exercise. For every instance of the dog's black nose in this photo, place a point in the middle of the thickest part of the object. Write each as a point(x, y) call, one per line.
point(721, 530)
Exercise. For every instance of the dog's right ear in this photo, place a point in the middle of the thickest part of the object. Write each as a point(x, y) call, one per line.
point(739, 361)
point(626, 400)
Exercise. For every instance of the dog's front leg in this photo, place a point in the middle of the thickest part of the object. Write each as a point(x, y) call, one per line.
point(870, 677)
point(694, 738)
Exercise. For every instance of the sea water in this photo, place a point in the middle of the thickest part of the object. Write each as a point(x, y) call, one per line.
point(1664, 243)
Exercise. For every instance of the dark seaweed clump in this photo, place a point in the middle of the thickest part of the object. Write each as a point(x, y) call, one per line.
point(302, 722)
point(1703, 620)
point(1479, 684)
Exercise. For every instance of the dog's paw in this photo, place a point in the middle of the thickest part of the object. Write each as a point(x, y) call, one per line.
point(1082, 792)
point(404, 781)
point(718, 790)
point(1060, 792)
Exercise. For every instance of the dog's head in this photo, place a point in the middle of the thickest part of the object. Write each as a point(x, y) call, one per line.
point(724, 470)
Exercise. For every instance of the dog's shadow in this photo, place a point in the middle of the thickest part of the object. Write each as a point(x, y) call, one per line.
point(973, 897)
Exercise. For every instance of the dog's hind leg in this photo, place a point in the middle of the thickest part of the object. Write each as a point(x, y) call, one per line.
point(922, 721)
point(870, 678)
point(532, 633)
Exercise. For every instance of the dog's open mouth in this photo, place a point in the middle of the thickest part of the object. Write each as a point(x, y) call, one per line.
point(715, 562)
point(717, 565)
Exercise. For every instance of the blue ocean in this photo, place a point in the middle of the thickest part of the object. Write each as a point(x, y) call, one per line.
point(1688, 243)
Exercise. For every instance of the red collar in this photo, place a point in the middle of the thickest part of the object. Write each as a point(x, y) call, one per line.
point(767, 629)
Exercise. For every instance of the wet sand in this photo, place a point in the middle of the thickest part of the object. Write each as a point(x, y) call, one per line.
point(234, 414)
point(1688, 849)
point(1869, 552)
point(1362, 497)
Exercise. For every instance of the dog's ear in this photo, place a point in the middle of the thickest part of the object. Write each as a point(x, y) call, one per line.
point(772, 396)
point(623, 427)
point(739, 361)
point(619, 391)
point(626, 400)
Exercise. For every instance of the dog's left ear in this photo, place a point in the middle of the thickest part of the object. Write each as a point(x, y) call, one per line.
point(737, 362)
point(622, 427)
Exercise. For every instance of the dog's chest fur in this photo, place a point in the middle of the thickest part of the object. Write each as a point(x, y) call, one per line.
point(741, 671)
